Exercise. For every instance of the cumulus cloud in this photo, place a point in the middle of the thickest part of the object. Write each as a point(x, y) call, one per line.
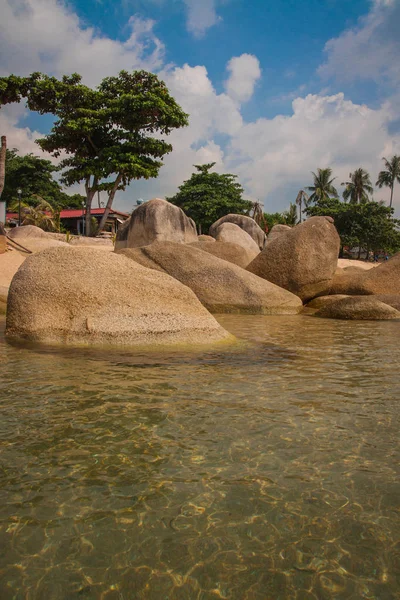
point(201, 15)
point(273, 157)
point(46, 35)
point(244, 72)
point(369, 51)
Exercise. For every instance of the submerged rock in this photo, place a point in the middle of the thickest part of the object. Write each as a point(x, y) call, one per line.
point(246, 223)
point(303, 260)
point(88, 296)
point(366, 308)
point(155, 221)
point(221, 286)
point(322, 301)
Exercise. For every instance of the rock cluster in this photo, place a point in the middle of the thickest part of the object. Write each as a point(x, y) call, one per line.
point(87, 296)
point(163, 282)
point(221, 286)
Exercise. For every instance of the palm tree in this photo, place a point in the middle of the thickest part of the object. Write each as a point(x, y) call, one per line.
point(43, 214)
point(390, 175)
point(257, 212)
point(322, 188)
point(359, 187)
point(302, 196)
point(290, 215)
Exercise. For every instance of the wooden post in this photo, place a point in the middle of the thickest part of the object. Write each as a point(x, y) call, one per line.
point(3, 151)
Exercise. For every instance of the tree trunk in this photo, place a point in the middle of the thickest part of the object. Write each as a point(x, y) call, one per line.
point(359, 252)
point(3, 150)
point(111, 196)
point(90, 192)
point(391, 194)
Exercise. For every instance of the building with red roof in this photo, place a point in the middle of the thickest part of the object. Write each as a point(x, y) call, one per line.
point(73, 219)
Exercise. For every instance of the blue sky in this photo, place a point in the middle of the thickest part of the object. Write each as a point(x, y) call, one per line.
point(274, 89)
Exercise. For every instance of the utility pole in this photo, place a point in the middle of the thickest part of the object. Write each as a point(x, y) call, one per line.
point(3, 152)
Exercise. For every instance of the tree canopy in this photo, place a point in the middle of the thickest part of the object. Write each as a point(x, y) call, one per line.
point(389, 176)
point(35, 177)
point(206, 197)
point(359, 188)
point(369, 225)
point(322, 187)
point(110, 135)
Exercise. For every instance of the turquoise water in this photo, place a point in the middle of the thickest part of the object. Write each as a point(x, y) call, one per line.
point(269, 470)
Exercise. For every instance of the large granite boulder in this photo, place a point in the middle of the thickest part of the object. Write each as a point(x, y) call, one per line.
point(227, 251)
point(34, 239)
point(26, 231)
point(322, 301)
point(383, 279)
point(365, 308)
point(231, 233)
point(221, 286)
point(246, 223)
point(303, 260)
point(156, 221)
point(88, 296)
point(277, 231)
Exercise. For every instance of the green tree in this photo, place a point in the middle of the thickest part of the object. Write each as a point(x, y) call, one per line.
point(322, 188)
point(111, 135)
point(42, 214)
point(368, 226)
point(290, 215)
point(302, 199)
point(359, 188)
point(272, 219)
point(389, 176)
point(206, 197)
point(35, 177)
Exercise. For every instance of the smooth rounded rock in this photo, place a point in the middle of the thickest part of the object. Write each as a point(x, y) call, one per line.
point(322, 301)
point(221, 286)
point(365, 308)
point(88, 296)
point(233, 253)
point(277, 231)
point(244, 222)
point(302, 260)
point(154, 221)
point(231, 233)
point(383, 279)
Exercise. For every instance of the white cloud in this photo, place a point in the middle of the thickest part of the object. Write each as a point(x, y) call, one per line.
point(369, 51)
point(46, 35)
point(201, 15)
point(273, 157)
point(244, 72)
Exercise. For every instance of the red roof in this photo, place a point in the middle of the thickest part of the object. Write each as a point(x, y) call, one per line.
point(73, 213)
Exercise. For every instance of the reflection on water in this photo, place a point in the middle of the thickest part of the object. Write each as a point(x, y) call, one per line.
point(265, 471)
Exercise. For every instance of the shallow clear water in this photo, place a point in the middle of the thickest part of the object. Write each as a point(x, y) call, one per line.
point(265, 471)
